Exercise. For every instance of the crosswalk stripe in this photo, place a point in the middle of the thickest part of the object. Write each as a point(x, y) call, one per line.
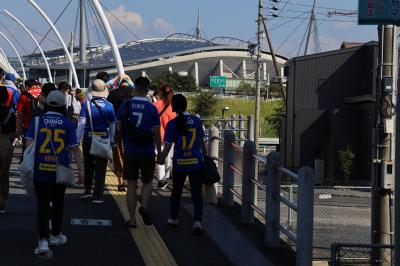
point(151, 246)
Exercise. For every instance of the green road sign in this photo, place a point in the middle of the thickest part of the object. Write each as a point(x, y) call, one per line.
point(217, 81)
point(372, 12)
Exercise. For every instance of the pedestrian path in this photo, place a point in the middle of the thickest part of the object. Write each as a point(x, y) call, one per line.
point(97, 234)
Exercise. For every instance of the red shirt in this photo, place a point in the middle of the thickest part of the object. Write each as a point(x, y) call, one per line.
point(24, 107)
point(165, 117)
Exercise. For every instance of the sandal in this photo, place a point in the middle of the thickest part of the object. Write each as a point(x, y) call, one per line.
point(130, 225)
point(147, 219)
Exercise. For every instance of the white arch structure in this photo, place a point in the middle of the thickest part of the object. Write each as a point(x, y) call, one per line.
point(5, 56)
point(110, 36)
point(16, 52)
point(71, 63)
point(34, 40)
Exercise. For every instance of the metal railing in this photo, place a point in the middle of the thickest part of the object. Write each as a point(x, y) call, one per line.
point(303, 237)
point(358, 254)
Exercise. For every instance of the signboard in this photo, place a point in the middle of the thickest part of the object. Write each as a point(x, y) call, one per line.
point(218, 81)
point(373, 12)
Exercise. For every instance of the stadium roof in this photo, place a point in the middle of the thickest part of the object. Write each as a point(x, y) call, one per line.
point(145, 51)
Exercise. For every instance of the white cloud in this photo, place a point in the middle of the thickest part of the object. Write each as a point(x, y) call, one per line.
point(129, 18)
point(328, 43)
point(344, 25)
point(163, 25)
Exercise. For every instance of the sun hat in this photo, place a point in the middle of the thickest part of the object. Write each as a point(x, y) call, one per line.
point(98, 88)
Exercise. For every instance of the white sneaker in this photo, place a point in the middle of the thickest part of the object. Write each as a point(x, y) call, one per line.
point(172, 222)
point(58, 240)
point(42, 248)
point(197, 228)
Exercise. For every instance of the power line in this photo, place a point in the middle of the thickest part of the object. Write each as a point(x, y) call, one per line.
point(321, 19)
point(302, 11)
point(290, 20)
point(291, 34)
point(306, 5)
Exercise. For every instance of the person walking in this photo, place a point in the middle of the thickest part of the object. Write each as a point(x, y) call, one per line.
point(55, 140)
point(116, 98)
point(140, 124)
point(166, 114)
point(72, 106)
point(97, 118)
point(187, 134)
point(7, 132)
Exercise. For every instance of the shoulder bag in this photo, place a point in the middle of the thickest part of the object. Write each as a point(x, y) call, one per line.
point(27, 166)
point(100, 147)
point(64, 174)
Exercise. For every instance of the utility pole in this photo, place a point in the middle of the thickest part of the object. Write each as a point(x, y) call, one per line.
point(277, 70)
point(258, 75)
point(383, 164)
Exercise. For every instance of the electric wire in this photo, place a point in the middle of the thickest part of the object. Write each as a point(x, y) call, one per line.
point(290, 34)
point(92, 15)
point(307, 5)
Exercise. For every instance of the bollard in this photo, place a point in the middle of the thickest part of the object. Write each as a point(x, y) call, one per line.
point(272, 206)
point(241, 127)
point(228, 174)
point(211, 191)
point(250, 127)
point(248, 187)
point(305, 216)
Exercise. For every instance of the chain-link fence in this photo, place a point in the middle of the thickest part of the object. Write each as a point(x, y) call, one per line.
point(361, 254)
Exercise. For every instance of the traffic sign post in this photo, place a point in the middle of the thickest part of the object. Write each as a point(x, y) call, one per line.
point(218, 82)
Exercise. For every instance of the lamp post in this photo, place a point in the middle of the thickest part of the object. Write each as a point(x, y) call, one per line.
point(226, 108)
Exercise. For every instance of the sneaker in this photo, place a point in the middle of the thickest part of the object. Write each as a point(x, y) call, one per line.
point(172, 222)
point(86, 195)
point(58, 240)
point(162, 184)
point(121, 188)
point(42, 248)
point(97, 200)
point(147, 219)
point(197, 228)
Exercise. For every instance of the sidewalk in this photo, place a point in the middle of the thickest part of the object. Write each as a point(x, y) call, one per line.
point(104, 245)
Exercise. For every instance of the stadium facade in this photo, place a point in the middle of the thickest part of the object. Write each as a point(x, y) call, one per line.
point(185, 54)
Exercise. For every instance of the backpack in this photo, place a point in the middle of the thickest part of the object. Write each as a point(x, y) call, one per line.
point(70, 111)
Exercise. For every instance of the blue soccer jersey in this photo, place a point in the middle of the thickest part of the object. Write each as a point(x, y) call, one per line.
point(188, 156)
point(60, 132)
point(102, 116)
point(138, 113)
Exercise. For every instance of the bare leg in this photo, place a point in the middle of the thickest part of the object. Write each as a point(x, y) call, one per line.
point(131, 200)
point(147, 189)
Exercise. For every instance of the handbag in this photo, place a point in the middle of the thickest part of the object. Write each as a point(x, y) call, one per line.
point(27, 166)
point(64, 174)
point(210, 172)
point(100, 147)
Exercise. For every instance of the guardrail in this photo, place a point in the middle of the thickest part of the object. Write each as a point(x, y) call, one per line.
point(303, 237)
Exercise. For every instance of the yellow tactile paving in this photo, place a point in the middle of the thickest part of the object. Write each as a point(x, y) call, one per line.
point(150, 244)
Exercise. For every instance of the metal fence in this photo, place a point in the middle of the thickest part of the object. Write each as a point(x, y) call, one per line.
point(359, 254)
point(244, 173)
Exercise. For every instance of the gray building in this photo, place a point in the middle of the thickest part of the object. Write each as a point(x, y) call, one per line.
point(331, 106)
point(185, 54)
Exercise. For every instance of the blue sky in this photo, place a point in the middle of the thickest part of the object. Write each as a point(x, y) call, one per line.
point(159, 18)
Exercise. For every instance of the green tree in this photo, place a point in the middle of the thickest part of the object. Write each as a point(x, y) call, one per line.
point(245, 88)
point(279, 112)
point(205, 104)
point(179, 83)
point(346, 160)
